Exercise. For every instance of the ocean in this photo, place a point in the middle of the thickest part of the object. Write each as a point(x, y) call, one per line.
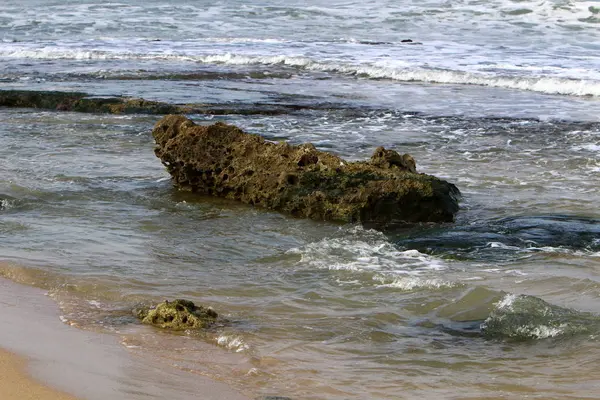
point(500, 97)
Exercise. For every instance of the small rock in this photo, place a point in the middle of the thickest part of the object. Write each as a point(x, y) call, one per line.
point(178, 315)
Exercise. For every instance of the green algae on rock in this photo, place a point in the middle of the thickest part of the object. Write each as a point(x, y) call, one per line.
point(222, 160)
point(178, 315)
point(85, 102)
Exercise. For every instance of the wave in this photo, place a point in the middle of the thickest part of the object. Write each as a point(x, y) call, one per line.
point(541, 84)
point(523, 317)
point(5, 204)
point(372, 260)
point(412, 283)
point(366, 251)
point(486, 313)
point(232, 342)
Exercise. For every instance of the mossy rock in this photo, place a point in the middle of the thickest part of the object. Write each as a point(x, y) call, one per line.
point(222, 160)
point(88, 103)
point(178, 315)
point(83, 102)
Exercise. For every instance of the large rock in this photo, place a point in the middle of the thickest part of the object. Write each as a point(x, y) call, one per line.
point(177, 315)
point(222, 160)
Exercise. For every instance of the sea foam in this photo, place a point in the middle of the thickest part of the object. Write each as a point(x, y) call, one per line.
point(523, 317)
point(372, 70)
point(232, 342)
point(411, 283)
point(361, 251)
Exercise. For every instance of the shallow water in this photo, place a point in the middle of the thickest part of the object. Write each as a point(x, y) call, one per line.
point(319, 310)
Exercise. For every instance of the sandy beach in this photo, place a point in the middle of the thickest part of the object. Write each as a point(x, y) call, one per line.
point(15, 384)
point(41, 352)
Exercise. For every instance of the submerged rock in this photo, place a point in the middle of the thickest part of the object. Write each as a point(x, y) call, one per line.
point(221, 160)
point(178, 315)
point(84, 102)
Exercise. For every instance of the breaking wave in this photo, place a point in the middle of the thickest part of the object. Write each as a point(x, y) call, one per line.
point(5, 204)
point(550, 85)
point(541, 84)
point(232, 342)
point(411, 283)
point(523, 317)
point(369, 255)
point(366, 251)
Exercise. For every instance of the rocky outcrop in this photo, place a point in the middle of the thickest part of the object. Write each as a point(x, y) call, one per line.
point(222, 160)
point(178, 315)
point(84, 102)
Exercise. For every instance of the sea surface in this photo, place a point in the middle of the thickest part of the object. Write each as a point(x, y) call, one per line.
point(500, 97)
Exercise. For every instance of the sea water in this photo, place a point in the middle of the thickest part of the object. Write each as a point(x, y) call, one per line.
point(500, 97)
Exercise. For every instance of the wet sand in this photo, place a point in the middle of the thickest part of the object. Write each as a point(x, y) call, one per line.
point(87, 365)
point(15, 384)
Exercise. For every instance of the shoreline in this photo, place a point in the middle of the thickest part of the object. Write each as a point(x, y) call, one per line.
point(76, 364)
point(16, 384)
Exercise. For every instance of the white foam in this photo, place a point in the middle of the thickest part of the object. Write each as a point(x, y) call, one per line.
point(593, 147)
point(411, 283)
point(369, 251)
point(550, 249)
point(95, 303)
point(5, 204)
point(500, 245)
point(234, 343)
point(506, 302)
point(550, 85)
point(532, 249)
point(245, 40)
point(375, 70)
point(542, 11)
point(515, 272)
point(539, 331)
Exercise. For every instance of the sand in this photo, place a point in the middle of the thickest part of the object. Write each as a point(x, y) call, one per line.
point(15, 384)
point(88, 365)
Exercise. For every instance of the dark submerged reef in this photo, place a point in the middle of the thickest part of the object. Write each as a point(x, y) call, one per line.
point(85, 102)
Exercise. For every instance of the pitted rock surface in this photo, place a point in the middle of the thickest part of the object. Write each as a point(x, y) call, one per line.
point(178, 315)
point(222, 160)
